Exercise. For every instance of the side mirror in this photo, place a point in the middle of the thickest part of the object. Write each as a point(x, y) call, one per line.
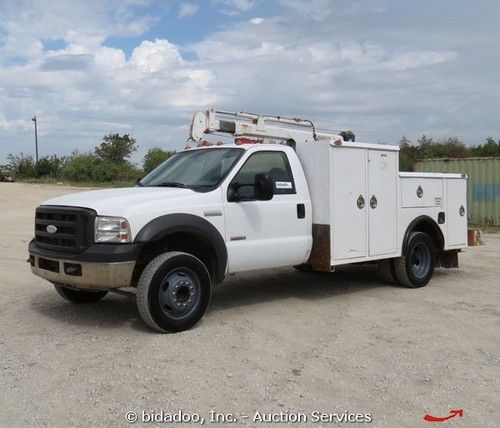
point(138, 181)
point(263, 190)
point(264, 187)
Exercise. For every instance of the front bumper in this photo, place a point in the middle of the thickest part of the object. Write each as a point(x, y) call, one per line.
point(101, 267)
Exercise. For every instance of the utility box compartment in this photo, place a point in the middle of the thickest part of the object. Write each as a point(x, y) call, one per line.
point(421, 192)
point(456, 214)
point(363, 206)
point(354, 190)
point(363, 202)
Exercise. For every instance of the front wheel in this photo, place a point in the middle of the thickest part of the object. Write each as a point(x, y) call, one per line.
point(173, 292)
point(79, 296)
point(416, 267)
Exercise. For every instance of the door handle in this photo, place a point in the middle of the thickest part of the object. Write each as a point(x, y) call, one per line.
point(373, 202)
point(360, 202)
point(301, 211)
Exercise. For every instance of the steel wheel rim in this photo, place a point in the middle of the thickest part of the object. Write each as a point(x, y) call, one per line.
point(179, 293)
point(421, 260)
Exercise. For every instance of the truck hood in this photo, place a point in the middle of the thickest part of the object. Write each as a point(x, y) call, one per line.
point(140, 205)
point(117, 202)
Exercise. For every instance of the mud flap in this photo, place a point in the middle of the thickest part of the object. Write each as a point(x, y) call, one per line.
point(447, 259)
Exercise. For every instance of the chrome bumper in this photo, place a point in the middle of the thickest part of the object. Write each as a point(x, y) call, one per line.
point(84, 275)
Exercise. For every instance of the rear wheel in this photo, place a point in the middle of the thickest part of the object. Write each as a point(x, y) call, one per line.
point(416, 267)
point(79, 296)
point(173, 292)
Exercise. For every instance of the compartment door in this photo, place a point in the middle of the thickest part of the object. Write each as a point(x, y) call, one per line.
point(382, 202)
point(456, 216)
point(348, 231)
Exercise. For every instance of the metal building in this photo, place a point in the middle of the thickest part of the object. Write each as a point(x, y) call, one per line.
point(483, 185)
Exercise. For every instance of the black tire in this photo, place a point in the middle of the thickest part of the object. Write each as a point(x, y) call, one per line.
point(173, 292)
point(416, 267)
point(386, 271)
point(79, 296)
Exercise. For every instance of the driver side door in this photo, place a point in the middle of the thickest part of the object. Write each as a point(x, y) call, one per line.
point(263, 234)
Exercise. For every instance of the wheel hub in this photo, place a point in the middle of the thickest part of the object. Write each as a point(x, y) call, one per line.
point(179, 292)
point(421, 261)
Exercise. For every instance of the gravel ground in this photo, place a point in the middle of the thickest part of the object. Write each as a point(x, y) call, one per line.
point(271, 341)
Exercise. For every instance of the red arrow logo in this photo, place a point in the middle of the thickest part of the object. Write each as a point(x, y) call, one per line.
point(453, 413)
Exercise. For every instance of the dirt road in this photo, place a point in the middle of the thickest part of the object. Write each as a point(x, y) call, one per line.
point(271, 341)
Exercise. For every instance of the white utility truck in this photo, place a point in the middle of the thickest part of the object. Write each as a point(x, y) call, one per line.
point(284, 194)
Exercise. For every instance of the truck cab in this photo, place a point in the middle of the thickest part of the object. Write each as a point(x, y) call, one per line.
point(268, 200)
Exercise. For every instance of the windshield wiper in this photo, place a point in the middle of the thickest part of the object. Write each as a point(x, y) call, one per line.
point(171, 184)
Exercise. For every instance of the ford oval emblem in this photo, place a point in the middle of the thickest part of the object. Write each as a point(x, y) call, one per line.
point(51, 228)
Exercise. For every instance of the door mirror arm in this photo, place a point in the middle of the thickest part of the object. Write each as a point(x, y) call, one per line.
point(264, 187)
point(232, 192)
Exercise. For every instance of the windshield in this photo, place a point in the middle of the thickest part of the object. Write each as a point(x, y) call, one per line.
point(195, 169)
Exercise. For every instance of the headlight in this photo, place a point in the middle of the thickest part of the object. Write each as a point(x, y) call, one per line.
point(112, 230)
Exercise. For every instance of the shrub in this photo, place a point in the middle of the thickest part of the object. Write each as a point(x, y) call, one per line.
point(4, 172)
point(102, 172)
point(105, 172)
point(155, 157)
point(49, 166)
point(80, 167)
point(21, 165)
point(126, 172)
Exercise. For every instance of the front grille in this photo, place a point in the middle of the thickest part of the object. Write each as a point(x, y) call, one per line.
point(74, 228)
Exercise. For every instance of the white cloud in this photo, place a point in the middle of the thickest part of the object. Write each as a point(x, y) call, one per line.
point(155, 56)
point(187, 9)
point(257, 21)
point(315, 9)
point(235, 7)
point(409, 60)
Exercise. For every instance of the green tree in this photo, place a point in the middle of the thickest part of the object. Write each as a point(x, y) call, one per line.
point(116, 148)
point(425, 147)
point(450, 148)
point(408, 154)
point(490, 149)
point(446, 148)
point(155, 157)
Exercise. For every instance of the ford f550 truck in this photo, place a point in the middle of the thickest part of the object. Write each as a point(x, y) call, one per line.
point(283, 194)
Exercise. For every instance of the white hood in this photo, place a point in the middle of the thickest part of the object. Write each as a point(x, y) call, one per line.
point(115, 201)
point(139, 205)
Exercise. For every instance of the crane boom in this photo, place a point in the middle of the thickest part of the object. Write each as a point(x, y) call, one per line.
point(244, 124)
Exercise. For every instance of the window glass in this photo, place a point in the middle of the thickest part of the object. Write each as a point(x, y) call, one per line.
point(274, 164)
point(195, 169)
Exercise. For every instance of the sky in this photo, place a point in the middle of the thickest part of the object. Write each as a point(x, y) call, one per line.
point(382, 68)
